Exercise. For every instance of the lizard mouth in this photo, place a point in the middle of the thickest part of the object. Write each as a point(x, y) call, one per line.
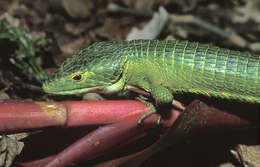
point(71, 91)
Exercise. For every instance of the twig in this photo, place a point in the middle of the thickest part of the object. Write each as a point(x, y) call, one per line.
point(232, 36)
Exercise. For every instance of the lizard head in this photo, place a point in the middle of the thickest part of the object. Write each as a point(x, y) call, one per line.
point(95, 68)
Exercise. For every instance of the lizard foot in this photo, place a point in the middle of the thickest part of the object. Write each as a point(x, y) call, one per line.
point(151, 112)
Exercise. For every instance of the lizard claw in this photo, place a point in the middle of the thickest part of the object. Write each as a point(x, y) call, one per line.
point(144, 116)
point(151, 112)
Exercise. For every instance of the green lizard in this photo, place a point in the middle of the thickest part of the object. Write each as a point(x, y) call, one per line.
point(162, 68)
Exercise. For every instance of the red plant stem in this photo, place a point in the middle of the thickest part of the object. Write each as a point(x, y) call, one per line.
point(36, 163)
point(103, 112)
point(95, 143)
point(20, 116)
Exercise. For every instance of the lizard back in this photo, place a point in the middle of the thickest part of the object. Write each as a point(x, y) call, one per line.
point(184, 66)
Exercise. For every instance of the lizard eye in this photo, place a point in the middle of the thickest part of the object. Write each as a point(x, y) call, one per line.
point(77, 77)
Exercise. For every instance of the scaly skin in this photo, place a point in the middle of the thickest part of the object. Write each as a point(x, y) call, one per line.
point(161, 68)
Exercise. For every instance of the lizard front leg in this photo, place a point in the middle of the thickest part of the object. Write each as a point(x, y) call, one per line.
point(162, 97)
